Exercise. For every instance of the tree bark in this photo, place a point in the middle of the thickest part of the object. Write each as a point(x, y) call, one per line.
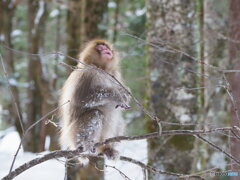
point(85, 21)
point(116, 17)
point(95, 19)
point(74, 29)
point(169, 23)
point(39, 95)
point(234, 61)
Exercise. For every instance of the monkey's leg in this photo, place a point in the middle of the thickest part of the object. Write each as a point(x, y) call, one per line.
point(89, 129)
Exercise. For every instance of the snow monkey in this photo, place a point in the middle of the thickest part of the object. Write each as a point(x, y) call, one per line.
point(96, 101)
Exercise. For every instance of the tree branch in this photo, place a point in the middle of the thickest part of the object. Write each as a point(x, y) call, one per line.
point(77, 152)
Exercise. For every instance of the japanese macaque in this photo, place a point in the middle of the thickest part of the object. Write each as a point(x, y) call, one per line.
point(96, 101)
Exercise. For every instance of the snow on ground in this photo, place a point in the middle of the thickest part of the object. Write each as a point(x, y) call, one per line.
point(50, 170)
point(54, 169)
point(133, 149)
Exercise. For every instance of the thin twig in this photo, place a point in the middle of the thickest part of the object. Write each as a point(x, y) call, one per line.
point(28, 129)
point(77, 152)
point(12, 96)
point(219, 149)
point(231, 96)
point(164, 133)
point(153, 117)
point(139, 163)
point(171, 50)
point(120, 172)
point(58, 154)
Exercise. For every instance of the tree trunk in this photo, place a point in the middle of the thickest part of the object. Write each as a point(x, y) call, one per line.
point(199, 156)
point(234, 59)
point(215, 49)
point(74, 29)
point(39, 92)
point(6, 16)
point(95, 19)
point(116, 17)
point(86, 20)
point(170, 25)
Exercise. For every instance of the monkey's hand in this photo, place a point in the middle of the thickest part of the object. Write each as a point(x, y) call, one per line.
point(125, 94)
point(123, 106)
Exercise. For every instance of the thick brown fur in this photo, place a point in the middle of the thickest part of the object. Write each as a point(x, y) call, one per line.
point(92, 114)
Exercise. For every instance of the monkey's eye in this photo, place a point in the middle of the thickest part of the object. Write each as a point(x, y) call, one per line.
point(100, 44)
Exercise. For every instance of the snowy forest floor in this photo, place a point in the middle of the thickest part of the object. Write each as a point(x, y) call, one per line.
point(55, 170)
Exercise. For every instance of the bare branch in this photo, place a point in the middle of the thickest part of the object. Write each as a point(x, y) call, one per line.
point(120, 172)
point(12, 96)
point(228, 88)
point(77, 152)
point(28, 129)
point(154, 170)
point(164, 133)
point(218, 148)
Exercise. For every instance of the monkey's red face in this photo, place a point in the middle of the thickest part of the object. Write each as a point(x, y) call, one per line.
point(105, 52)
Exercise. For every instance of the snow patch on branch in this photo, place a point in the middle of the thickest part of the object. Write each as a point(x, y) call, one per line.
point(182, 95)
point(39, 13)
point(2, 37)
point(54, 13)
point(16, 32)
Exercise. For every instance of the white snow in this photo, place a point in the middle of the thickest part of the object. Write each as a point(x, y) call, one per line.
point(54, 169)
point(154, 75)
point(39, 13)
point(112, 4)
point(16, 32)
point(183, 95)
point(54, 13)
point(140, 12)
point(133, 149)
point(13, 82)
point(2, 37)
point(181, 113)
point(218, 160)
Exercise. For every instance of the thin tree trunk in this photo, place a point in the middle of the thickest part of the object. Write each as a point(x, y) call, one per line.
point(38, 94)
point(198, 146)
point(6, 17)
point(95, 17)
point(116, 14)
point(234, 59)
point(74, 28)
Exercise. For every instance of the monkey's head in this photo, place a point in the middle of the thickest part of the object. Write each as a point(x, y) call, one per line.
point(101, 54)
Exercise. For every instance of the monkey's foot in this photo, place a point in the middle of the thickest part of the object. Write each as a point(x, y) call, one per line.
point(111, 154)
point(87, 146)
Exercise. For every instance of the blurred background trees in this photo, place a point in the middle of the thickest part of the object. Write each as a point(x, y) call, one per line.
point(165, 47)
point(171, 30)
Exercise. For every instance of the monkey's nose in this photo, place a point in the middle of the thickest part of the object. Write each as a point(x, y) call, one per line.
point(102, 47)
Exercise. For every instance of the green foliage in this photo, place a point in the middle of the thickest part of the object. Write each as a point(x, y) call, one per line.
point(134, 70)
point(182, 142)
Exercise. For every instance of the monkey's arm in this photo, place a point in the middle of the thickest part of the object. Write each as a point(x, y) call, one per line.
point(123, 89)
point(103, 96)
